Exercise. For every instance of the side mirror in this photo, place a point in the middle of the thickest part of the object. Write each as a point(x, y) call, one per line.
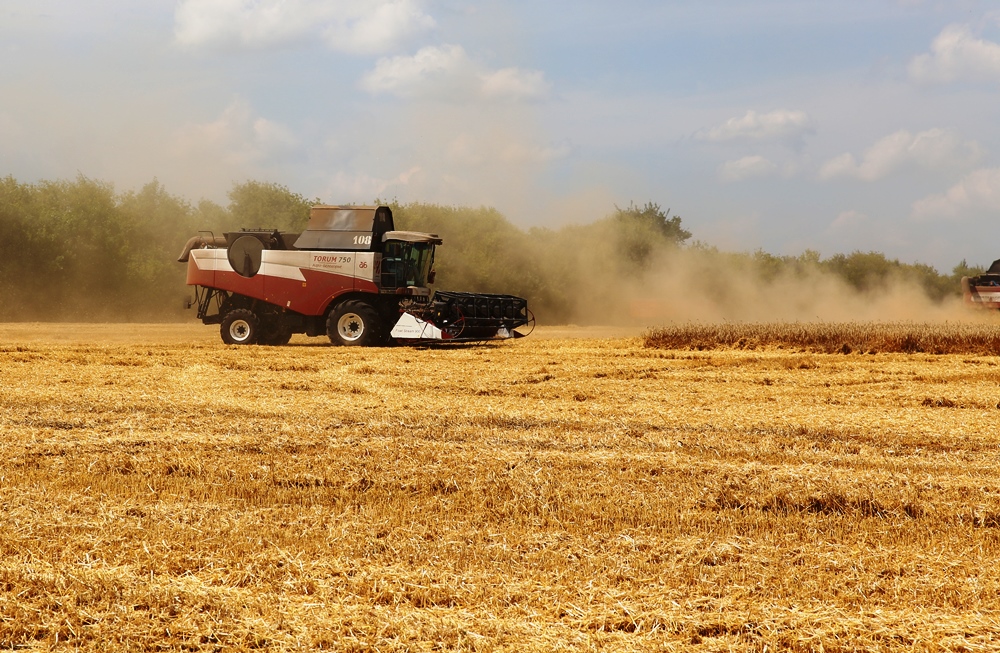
point(431, 275)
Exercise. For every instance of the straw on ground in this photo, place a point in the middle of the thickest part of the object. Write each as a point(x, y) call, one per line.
point(537, 495)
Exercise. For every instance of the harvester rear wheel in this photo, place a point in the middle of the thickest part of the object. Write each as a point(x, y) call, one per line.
point(240, 327)
point(354, 323)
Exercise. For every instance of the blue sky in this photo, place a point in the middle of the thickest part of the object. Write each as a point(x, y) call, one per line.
point(781, 124)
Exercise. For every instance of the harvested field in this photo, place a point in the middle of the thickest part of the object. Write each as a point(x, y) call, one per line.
point(163, 491)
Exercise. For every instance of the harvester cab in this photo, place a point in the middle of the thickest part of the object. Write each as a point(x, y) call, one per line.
point(349, 275)
point(408, 260)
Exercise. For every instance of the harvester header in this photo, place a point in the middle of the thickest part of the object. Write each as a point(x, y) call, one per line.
point(349, 275)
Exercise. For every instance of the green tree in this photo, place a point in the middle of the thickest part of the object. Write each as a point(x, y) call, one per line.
point(657, 219)
point(22, 261)
point(963, 269)
point(641, 231)
point(863, 270)
point(158, 225)
point(266, 205)
point(88, 247)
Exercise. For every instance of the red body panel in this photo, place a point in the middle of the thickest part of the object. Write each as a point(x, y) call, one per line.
point(288, 283)
point(199, 277)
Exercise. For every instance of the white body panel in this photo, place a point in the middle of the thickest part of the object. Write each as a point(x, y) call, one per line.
point(288, 264)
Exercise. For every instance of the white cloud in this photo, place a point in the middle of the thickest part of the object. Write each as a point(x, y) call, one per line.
point(934, 149)
point(514, 83)
point(978, 191)
point(237, 137)
point(448, 70)
point(839, 166)
point(847, 221)
point(957, 54)
point(244, 22)
point(355, 26)
point(404, 75)
point(780, 124)
point(379, 30)
point(749, 167)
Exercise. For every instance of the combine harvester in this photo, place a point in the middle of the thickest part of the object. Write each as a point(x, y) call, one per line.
point(349, 275)
point(983, 291)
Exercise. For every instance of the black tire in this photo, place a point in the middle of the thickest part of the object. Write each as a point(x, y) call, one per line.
point(354, 324)
point(273, 333)
point(240, 327)
point(278, 339)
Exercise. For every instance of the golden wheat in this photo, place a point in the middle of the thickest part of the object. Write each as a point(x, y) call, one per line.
point(836, 337)
point(162, 491)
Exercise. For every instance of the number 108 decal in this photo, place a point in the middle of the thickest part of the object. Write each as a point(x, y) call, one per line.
point(362, 240)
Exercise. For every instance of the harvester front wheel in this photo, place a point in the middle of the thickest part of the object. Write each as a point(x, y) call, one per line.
point(240, 327)
point(353, 323)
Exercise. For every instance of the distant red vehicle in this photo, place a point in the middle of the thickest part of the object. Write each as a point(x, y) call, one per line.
point(983, 291)
point(349, 275)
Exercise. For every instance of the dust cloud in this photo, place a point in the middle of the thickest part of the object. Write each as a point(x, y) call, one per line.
point(690, 285)
point(600, 284)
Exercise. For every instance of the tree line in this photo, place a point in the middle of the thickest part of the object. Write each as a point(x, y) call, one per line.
point(81, 251)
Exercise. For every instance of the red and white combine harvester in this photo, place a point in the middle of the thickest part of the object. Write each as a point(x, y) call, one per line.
point(349, 275)
point(983, 291)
